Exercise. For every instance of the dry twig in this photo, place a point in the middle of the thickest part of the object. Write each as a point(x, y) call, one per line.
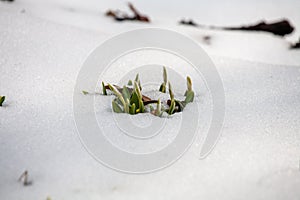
point(24, 178)
point(122, 16)
point(280, 28)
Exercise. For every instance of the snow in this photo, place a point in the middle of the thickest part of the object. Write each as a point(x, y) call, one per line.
point(42, 50)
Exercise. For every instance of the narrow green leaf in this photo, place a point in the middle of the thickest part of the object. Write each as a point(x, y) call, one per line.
point(172, 107)
point(103, 89)
point(189, 83)
point(85, 92)
point(162, 88)
point(140, 86)
point(125, 93)
point(137, 89)
point(158, 107)
point(141, 106)
point(165, 76)
point(134, 99)
point(158, 111)
point(136, 78)
point(170, 91)
point(129, 82)
point(2, 99)
point(115, 91)
point(120, 97)
point(189, 97)
point(180, 105)
point(127, 105)
point(132, 109)
point(116, 107)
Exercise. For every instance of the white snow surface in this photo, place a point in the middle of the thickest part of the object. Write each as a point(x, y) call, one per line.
point(42, 50)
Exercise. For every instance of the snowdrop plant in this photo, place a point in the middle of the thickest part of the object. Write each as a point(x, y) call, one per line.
point(130, 100)
point(126, 101)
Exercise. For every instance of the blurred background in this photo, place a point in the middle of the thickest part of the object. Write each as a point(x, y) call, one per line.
point(259, 46)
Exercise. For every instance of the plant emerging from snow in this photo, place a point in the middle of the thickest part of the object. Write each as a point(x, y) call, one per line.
point(129, 99)
point(2, 99)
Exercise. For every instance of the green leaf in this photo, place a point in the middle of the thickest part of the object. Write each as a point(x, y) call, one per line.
point(134, 99)
point(189, 83)
point(170, 91)
point(138, 91)
point(172, 107)
point(115, 91)
point(158, 111)
point(129, 82)
point(132, 109)
point(85, 92)
point(140, 86)
point(125, 93)
point(189, 97)
point(165, 76)
point(180, 105)
point(136, 78)
point(162, 88)
point(120, 97)
point(141, 106)
point(116, 107)
point(127, 104)
point(103, 89)
point(2, 99)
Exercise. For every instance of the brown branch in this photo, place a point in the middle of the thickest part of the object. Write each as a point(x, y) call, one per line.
point(147, 102)
point(122, 16)
point(24, 178)
point(280, 28)
point(137, 14)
